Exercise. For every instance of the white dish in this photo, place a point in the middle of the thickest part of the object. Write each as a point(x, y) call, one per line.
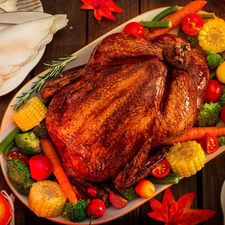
point(82, 57)
point(14, 81)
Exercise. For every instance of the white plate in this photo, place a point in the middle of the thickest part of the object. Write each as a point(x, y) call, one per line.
point(82, 57)
point(14, 81)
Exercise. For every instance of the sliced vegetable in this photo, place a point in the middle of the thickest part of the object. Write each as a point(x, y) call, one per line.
point(207, 15)
point(213, 91)
point(211, 143)
point(117, 201)
point(30, 114)
point(177, 17)
point(220, 73)
point(18, 154)
point(134, 28)
point(192, 23)
point(196, 133)
point(161, 170)
point(165, 13)
point(49, 150)
point(9, 148)
point(9, 139)
point(40, 167)
point(171, 178)
point(186, 158)
point(95, 209)
point(4, 211)
point(46, 199)
point(156, 24)
point(222, 114)
point(211, 36)
point(145, 188)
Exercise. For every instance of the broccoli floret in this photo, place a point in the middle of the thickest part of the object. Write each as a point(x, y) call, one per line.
point(222, 98)
point(188, 38)
point(19, 176)
point(75, 212)
point(129, 194)
point(28, 143)
point(221, 140)
point(41, 130)
point(213, 59)
point(209, 115)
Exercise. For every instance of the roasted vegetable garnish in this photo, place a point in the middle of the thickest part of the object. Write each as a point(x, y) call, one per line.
point(30, 114)
point(19, 176)
point(211, 36)
point(186, 158)
point(46, 199)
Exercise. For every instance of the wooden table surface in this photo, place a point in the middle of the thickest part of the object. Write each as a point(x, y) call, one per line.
point(83, 28)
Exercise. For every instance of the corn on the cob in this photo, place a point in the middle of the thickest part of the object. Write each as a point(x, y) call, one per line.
point(46, 198)
point(212, 35)
point(30, 114)
point(186, 158)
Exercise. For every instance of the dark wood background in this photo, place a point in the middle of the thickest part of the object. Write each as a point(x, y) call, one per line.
point(83, 28)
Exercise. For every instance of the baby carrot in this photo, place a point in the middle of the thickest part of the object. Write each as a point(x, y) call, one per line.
point(49, 150)
point(177, 17)
point(196, 133)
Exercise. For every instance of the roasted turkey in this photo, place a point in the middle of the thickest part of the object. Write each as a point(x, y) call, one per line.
point(109, 118)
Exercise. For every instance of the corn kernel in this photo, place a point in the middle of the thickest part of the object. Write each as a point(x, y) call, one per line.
point(46, 199)
point(30, 114)
point(186, 158)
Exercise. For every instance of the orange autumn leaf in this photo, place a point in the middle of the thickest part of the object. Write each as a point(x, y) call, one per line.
point(101, 8)
point(175, 213)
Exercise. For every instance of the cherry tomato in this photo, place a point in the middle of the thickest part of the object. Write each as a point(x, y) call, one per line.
point(134, 28)
point(95, 208)
point(117, 201)
point(211, 143)
point(145, 188)
point(92, 192)
point(4, 211)
point(213, 91)
point(161, 170)
point(40, 167)
point(18, 154)
point(222, 114)
point(192, 23)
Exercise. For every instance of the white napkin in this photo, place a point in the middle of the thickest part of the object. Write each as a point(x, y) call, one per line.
point(20, 43)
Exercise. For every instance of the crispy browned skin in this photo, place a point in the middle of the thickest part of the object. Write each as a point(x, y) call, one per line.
point(122, 98)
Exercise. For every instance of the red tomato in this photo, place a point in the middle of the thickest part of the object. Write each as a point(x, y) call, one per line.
point(213, 91)
point(211, 143)
point(134, 28)
point(40, 167)
point(145, 188)
point(92, 192)
point(161, 170)
point(222, 114)
point(192, 23)
point(95, 208)
point(4, 211)
point(18, 154)
point(117, 201)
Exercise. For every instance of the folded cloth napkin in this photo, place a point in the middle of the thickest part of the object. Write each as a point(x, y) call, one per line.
point(21, 43)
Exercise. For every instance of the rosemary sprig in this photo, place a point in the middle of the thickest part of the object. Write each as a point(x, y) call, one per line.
point(55, 67)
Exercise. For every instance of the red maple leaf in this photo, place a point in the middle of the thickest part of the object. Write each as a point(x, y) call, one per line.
point(101, 8)
point(175, 213)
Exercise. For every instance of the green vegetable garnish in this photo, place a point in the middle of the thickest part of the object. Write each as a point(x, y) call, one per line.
point(156, 24)
point(165, 13)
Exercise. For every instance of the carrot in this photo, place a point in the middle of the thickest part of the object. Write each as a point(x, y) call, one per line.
point(177, 17)
point(196, 133)
point(49, 150)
